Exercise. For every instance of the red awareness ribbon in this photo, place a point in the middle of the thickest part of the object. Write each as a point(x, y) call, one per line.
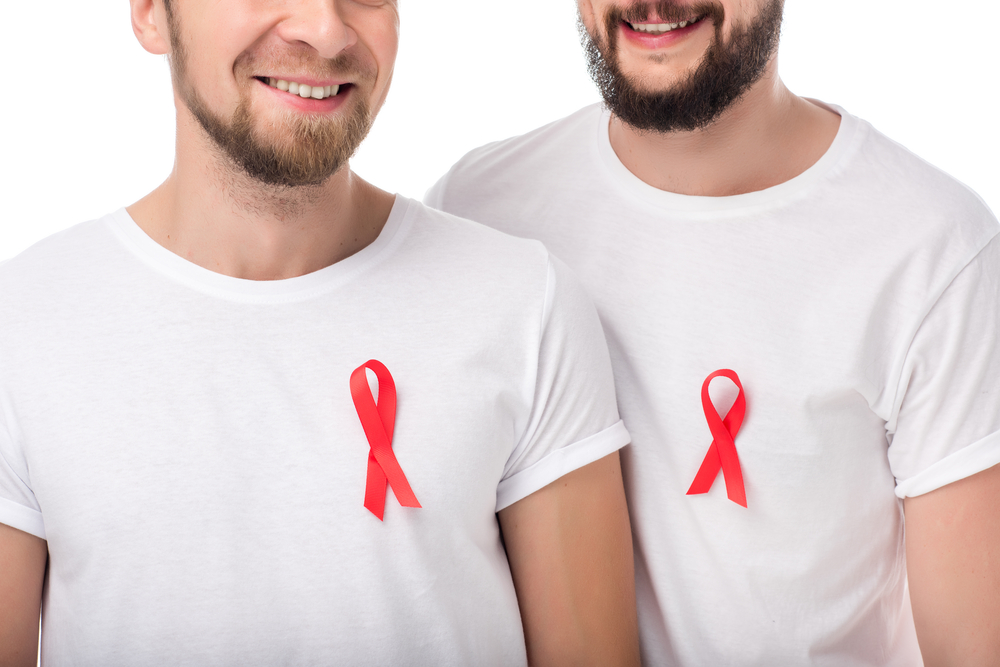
point(378, 422)
point(722, 453)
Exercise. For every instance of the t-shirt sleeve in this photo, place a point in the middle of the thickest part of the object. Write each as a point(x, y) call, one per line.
point(948, 424)
point(18, 506)
point(574, 416)
point(434, 197)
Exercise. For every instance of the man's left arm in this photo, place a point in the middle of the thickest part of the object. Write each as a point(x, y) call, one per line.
point(570, 550)
point(561, 500)
point(953, 566)
point(945, 455)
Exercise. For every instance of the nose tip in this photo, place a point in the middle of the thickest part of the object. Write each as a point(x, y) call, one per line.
point(319, 25)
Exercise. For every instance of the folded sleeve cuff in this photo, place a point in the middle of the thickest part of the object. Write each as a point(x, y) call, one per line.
point(968, 461)
point(560, 462)
point(22, 518)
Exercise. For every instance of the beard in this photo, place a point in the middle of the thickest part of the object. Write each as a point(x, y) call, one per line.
point(311, 150)
point(725, 73)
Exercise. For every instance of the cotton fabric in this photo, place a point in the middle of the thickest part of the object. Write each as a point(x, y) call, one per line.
point(188, 445)
point(858, 303)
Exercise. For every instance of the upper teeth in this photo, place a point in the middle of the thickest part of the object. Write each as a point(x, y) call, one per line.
point(302, 90)
point(660, 27)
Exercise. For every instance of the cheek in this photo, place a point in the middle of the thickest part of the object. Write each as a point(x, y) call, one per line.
point(383, 44)
point(386, 64)
point(387, 56)
point(741, 12)
point(211, 58)
point(386, 44)
point(588, 12)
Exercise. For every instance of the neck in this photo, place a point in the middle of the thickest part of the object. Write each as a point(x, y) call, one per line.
point(765, 138)
point(211, 213)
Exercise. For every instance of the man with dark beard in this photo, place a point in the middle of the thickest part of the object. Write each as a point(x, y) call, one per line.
point(802, 319)
point(206, 397)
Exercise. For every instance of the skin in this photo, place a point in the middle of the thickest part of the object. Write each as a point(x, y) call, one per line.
point(22, 571)
point(766, 138)
point(570, 551)
point(214, 215)
point(953, 565)
point(569, 544)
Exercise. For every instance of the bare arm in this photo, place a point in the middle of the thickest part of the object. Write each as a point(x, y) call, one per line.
point(953, 565)
point(22, 569)
point(570, 551)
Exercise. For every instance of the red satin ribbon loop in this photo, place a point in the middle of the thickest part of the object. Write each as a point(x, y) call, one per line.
point(722, 452)
point(378, 422)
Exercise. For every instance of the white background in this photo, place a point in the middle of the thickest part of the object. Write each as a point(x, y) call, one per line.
point(87, 115)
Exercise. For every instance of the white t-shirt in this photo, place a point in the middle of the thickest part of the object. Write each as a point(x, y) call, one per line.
point(858, 304)
point(188, 444)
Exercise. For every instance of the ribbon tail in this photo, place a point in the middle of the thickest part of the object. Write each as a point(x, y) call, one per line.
point(395, 475)
point(733, 475)
point(709, 470)
point(375, 488)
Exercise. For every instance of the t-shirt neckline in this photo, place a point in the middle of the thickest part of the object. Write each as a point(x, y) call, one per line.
point(221, 286)
point(769, 197)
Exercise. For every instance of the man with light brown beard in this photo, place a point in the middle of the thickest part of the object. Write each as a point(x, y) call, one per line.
point(802, 318)
point(207, 397)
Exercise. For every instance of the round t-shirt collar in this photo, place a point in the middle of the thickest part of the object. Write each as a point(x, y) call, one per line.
point(299, 288)
point(774, 196)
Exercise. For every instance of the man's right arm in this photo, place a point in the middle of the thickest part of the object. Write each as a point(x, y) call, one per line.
point(22, 571)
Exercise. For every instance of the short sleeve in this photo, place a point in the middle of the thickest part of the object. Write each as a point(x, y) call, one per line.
point(948, 426)
point(18, 506)
point(574, 415)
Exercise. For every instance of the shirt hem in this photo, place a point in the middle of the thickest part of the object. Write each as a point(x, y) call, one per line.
point(21, 517)
point(968, 461)
point(560, 462)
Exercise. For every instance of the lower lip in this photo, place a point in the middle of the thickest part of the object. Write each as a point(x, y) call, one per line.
point(309, 104)
point(646, 40)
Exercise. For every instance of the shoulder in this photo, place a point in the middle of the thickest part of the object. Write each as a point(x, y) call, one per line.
point(552, 137)
point(442, 241)
point(449, 232)
point(522, 158)
point(56, 259)
point(895, 176)
point(46, 288)
point(898, 209)
point(512, 276)
point(507, 290)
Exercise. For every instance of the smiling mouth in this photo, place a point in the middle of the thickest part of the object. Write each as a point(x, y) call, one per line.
point(661, 28)
point(301, 89)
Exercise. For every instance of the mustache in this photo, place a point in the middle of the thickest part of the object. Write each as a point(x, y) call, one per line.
point(668, 11)
point(345, 65)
